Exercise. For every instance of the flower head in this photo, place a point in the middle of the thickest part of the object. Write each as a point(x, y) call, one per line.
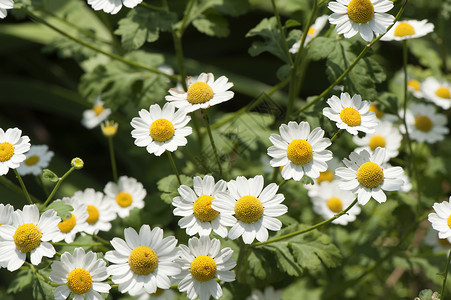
point(414, 86)
point(437, 92)
point(68, 228)
point(77, 163)
point(109, 128)
point(112, 6)
point(4, 5)
point(441, 218)
point(313, 32)
point(408, 29)
point(12, 149)
point(125, 195)
point(37, 159)
point(96, 115)
point(437, 244)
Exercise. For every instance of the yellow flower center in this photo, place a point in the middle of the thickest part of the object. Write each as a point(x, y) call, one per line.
point(143, 260)
point(109, 128)
point(335, 204)
point(124, 199)
point(199, 92)
point(93, 214)
point(32, 160)
point(350, 116)
point(423, 123)
point(299, 152)
point(67, 224)
point(98, 109)
point(79, 281)
point(311, 31)
point(370, 175)
point(203, 268)
point(325, 176)
point(449, 221)
point(162, 130)
point(27, 237)
point(377, 141)
point(202, 209)
point(373, 108)
point(360, 11)
point(443, 92)
point(6, 151)
point(404, 29)
point(248, 209)
point(414, 84)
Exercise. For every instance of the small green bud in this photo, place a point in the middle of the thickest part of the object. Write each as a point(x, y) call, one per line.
point(77, 163)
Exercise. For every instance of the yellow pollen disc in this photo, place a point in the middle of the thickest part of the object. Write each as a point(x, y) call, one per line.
point(311, 31)
point(449, 221)
point(377, 141)
point(443, 92)
point(423, 123)
point(98, 109)
point(299, 152)
point(27, 237)
point(79, 281)
point(370, 175)
point(325, 176)
point(93, 214)
point(350, 116)
point(67, 224)
point(6, 151)
point(379, 114)
point(124, 199)
point(202, 209)
point(199, 92)
point(360, 11)
point(248, 209)
point(203, 268)
point(415, 84)
point(143, 260)
point(335, 204)
point(162, 130)
point(32, 160)
point(404, 29)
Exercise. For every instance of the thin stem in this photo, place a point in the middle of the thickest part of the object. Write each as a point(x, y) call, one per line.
point(282, 183)
point(112, 157)
point(24, 188)
point(186, 16)
point(174, 167)
point(177, 37)
point(336, 135)
point(13, 187)
point(39, 276)
point(212, 142)
point(151, 7)
point(442, 293)
point(282, 33)
point(60, 180)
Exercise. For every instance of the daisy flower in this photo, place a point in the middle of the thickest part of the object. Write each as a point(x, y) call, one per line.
point(125, 195)
point(68, 228)
point(254, 208)
point(202, 261)
point(268, 294)
point(195, 207)
point(299, 151)
point(312, 33)
point(366, 176)
point(6, 212)
point(143, 262)
point(438, 245)
point(325, 176)
point(161, 129)
point(351, 114)
point(330, 200)
point(112, 6)
point(441, 218)
point(4, 5)
point(408, 29)
point(37, 159)
point(368, 17)
point(29, 232)
point(424, 124)
point(438, 92)
point(12, 149)
point(202, 93)
point(81, 273)
point(382, 116)
point(414, 86)
point(96, 115)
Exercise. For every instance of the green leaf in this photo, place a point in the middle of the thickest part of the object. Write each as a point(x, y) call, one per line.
point(428, 295)
point(21, 280)
point(233, 7)
point(40, 289)
point(49, 175)
point(168, 186)
point(63, 209)
point(212, 24)
point(427, 52)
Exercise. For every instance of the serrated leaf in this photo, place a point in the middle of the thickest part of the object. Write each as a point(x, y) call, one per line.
point(62, 209)
point(21, 280)
point(212, 24)
point(49, 175)
point(40, 289)
point(168, 186)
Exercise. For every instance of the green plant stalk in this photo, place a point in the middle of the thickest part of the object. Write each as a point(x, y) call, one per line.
point(174, 167)
point(13, 187)
point(186, 15)
point(112, 157)
point(282, 33)
point(336, 135)
point(39, 276)
point(241, 265)
point(212, 142)
point(24, 188)
point(442, 293)
point(60, 180)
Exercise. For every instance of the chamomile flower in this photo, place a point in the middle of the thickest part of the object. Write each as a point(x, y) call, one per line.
point(96, 115)
point(408, 29)
point(202, 261)
point(351, 114)
point(366, 176)
point(161, 129)
point(437, 91)
point(299, 151)
point(125, 195)
point(144, 261)
point(254, 208)
point(381, 115)
point(195, 207)
point(29, 232)
point(12, 149)
point(4, 5)
point(313, 32)
point(438, 245)
point(368, 17)
point(68, 228)
point(268, 294)
point(37, 159)
point(202, 93)
point(414, 86)
point(326, 176)
point(424, 125)
point(112, 6)
point(81, 274)
point(440, 219)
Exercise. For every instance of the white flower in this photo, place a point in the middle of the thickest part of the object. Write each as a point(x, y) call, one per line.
point(203, 92)
point(6, 213)
point(330, 200)
point(254, 208)
point(441, 219)
point(366, 176)
point(161, 129)
point(408, 29)
point(195, 207)
point(112, 6)
point(364, 16)
point(12, 149)
point(144, 261)
point(125, 195)
point(424, 125)
point(81, 274)
point(268, 294)
point(437, 244)
point(382, 116)
point(68, 228)
point(414, 86)
point(37, 159)
point(438, 92)
point(201, 262)
point(299, 151)
point(325, 176)
point(313, 32)
point(4, 5)
point(351, 114)
point(96, 115)
point(28, 233)
point(407, 186)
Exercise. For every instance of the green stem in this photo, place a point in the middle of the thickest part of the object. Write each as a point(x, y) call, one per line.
point(177, 37)
point(282, 183)
point(152, 7)
point(39, 276)
point(242, 263)
point(174, 167)
point(336, 135)
point(442, 293)
point(282, 33)
point(112, 157)
point(186, 15)
point(60, 180)
point(212, 142)
point(24, 188)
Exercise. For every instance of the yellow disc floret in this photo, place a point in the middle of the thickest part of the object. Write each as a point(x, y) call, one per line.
point(414, 84)
point(327, 175)
point(404, 29)
point(373, 108)
point(449, 221)
point(443, 92)
point(203, 268)
point(27, 237)
point(248, 209)
point(32, 160)
point(350, 116)
point(423, 123)
point(124, 199)
point(370, 175)
point(162, 130)
point(300, 152)
point(202, 209)
point(6, 151)
point(143, 260)
point(377, 141)
point(311, 31)
point(335, 204)
point(79, 281)
point(67, 224)
point(199, 92)
point(360, 11)
point(93, 214)
point(98, 109)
